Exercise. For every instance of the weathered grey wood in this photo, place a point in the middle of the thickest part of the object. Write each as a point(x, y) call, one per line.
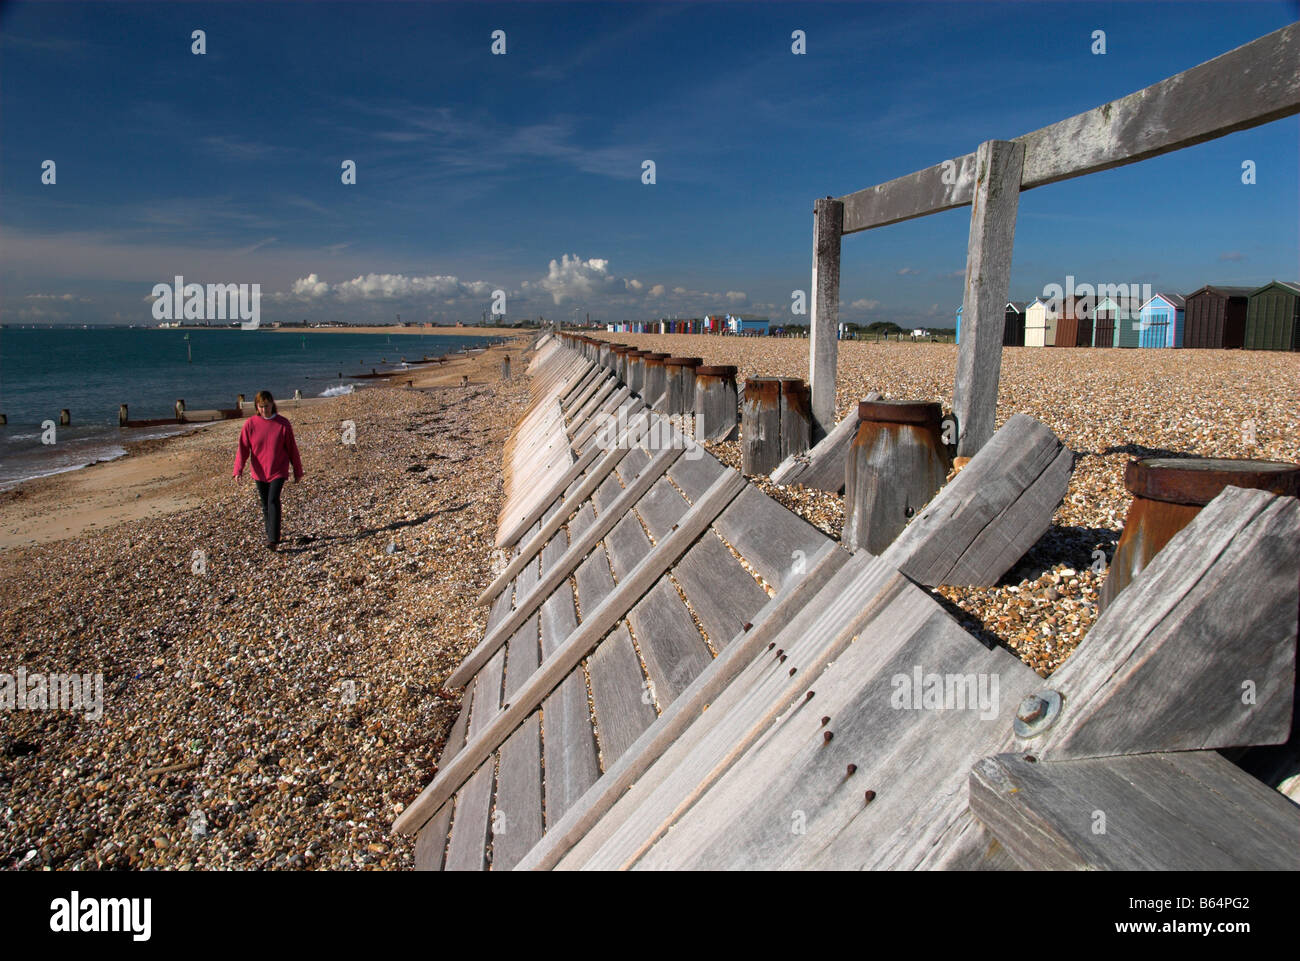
point(722, 593)
point(512, 528)
point(661, 508)
point(890, 473)
point(1147, 812)
point(558, 665)
point(593, 819)
point(516, 823)
point(623, 700)
point(822, 468)
point(747, 819)
point(672, 646)
point(1251, 85)
point(760, 426)
point(796, 418)
point(467, 846)
point(528, 551)
point(1212, 619)
point(526, 605)
point(984, 300)
point(987, 517)
point(716, 407)
point(431, 842)
point(620, 400)
point(823, 324)
point(695, 472)
point(775, 542)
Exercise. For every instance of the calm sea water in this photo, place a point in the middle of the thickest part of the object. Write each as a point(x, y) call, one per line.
point(90, 372)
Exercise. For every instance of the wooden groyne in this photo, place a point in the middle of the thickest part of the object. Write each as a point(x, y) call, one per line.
point(678, 672)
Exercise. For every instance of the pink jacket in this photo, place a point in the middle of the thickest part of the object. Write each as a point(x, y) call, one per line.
point(267, 445)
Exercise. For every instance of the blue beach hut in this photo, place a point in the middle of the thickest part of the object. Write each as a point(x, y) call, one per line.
point(1160, 321)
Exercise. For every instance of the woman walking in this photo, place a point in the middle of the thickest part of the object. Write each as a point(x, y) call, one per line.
point(266, 443)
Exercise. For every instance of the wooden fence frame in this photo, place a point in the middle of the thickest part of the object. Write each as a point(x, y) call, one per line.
point(1254, 84)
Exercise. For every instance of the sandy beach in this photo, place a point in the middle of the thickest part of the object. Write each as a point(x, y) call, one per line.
point(294, 697)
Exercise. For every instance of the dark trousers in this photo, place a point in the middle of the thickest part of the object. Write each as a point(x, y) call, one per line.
point(269, 492)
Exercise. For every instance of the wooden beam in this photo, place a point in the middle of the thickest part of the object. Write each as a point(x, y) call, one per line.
point(988, 516)
point(1184, 811)
point(557, 666)
point(823, 344)
point(988, 279)
point(1252, 85)
point(822, 468)
point(1198, 652)
point(579, 549)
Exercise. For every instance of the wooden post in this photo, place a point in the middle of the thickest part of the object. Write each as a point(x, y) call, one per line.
point(121, 415)
point(680, 374)
point(1168, 493)
point(823, 348)
point(655, 380)
point(998, 165)
point(896, 464)
point(239, 399)
point(464, 380)
point(715, 403)
point(636, 370)
point(760, 426)
point(4, 419)
point(505, 367)
point(796, 417)
point(180, 410)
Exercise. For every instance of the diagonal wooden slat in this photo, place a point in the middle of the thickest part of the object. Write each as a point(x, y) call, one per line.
point(556, 667)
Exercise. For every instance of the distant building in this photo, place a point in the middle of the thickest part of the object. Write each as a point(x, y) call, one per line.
point(747, 325)
point(1216, 317)
point(1273, 317)
point(1161, 321)
point(1041, 319)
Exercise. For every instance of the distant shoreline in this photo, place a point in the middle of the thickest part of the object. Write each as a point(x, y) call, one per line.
point(428, 331)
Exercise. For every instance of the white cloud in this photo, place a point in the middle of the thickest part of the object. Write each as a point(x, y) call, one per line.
point(51, 296)
point(571, 278)
point(865, 304)
point(633, 284)
point(736, 296)
point(310, 287)
point(904, 271)
point(658, 290)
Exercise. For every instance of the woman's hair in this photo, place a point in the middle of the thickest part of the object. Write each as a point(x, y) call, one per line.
point(264, 397)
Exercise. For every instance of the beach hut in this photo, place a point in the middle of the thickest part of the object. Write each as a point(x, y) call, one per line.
point(959, 323)
point(1108, 319)
point(1161, 320)
point(1216, 317)
point(747, 325)
point(1273, 317)
point(1041, 318)
point(1013, 329)
point(1074, 329)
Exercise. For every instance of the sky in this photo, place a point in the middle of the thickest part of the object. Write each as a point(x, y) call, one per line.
point(524, 171)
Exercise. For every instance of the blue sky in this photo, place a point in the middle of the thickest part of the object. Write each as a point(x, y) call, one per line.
point(523, 172)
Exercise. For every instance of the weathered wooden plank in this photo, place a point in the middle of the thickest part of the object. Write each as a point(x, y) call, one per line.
point(696, 472)
point(624, 702)
point(822, 468)
point(528, 551)
point(517, 819)
point(987, 517)
point(595, 817)
point(774, 541)
point(722, 593)
point(1251, 85)
point(671, 644)
point(984, 298)
point(1194, 811)
point(467, 846)
point(431, 842)
point(760, 426)
point(1203, 641)
point(823, 333)
point(627, 546)
point(559, 664)
point(525, 605)
point(569, 743)
point(661, 508)
point(789, 801)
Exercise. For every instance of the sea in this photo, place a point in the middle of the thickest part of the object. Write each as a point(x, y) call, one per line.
point(90, 371)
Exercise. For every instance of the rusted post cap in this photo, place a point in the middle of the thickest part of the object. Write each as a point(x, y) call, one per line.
point(637, 353)
point(793, 385)
point(900, 412)
point(621, 349)
point(717, 371)
point(1198, 480)
point(760, 389)
point(683, 362)
point(655, 359)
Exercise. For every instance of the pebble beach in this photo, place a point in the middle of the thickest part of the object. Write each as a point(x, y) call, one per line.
point(276, 710)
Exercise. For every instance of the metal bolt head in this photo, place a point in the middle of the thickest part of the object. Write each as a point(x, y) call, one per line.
point(1036, 714)
point(1031, 709)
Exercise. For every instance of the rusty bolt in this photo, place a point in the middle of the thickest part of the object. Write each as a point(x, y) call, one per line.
point(748, 625)
point(853, 769)
point(1031, 759)
point(825, 721)
point(870, 796)
point(781, 659)
point(809, 695)
point(826, 736)
point(792, 670)
point(780, 652)
point(772, 645)
point(1031, 708)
